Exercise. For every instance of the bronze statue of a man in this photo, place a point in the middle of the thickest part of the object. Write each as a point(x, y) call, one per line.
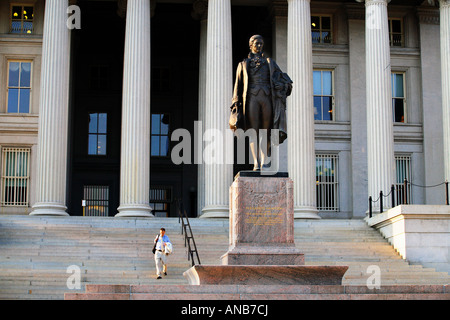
point(260, 91)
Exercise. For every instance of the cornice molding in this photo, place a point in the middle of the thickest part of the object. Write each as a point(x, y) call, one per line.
point(355, 11)
point(279, 8)
point(200, 10)
point(428, 15)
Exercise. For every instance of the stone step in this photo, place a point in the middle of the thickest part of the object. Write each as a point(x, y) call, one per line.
point(255, 292)
point(36, 251)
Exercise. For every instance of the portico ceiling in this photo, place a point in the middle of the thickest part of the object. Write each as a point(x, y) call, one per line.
point(267, 2)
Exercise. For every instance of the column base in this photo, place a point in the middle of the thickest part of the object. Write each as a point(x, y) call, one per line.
point(49, 209)
point(216, 212)
point(143, 211)
point(306, 213)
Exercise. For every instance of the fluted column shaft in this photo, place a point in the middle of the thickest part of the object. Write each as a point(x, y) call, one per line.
point(200, 12)
point(202, 109)
point(53, 112)
point(445, 74)
point(219, 89)
point(135, 142)
point(380, 137)
point(301, 151)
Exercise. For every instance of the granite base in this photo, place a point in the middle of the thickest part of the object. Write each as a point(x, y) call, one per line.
point(265, 275)
point(263, 256)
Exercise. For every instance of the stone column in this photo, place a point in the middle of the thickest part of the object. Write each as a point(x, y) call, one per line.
point(279, 11)
point(135, 143)
point(200, 12)
point(445, 67)
point(53, 112)
point(219, 91)
point(358, 118)
point(301, 151)
point(380, 136)
point(433, 153)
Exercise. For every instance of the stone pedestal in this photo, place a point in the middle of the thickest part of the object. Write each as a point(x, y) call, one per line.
point(262, 249)
point(262, 221)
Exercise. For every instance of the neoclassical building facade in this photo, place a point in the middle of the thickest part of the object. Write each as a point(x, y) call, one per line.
point(96, 97)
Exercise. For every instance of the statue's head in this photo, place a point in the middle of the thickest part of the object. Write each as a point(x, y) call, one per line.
point(256, 44)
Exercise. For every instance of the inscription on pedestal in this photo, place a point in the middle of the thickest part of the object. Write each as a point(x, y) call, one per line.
point(264, 216)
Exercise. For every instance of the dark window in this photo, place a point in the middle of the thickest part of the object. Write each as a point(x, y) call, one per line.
point(160, 135)
point(97, 133)
point(22, 18)
point(160, 79)
point(398, 97)
point(396, 37)
point(321, 29)
point(99, 77)
point(323, 94)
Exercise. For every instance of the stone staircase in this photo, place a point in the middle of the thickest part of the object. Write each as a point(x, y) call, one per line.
point(35, 253)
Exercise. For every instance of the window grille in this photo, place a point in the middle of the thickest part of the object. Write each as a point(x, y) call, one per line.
point(160, 200)
point(327, 182)
point(96, 201)
point(403, 171)
point(15, 176)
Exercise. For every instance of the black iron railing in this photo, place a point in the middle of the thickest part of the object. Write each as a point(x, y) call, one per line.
point(401, 194)
point(186, 229)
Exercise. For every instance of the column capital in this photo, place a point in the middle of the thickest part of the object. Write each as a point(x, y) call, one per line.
point(444, 3)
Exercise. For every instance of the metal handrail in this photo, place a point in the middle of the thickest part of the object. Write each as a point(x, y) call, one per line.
point(403, 188)
point(185, 228)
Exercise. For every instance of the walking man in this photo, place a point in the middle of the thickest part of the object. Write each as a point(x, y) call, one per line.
point(161, 241)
